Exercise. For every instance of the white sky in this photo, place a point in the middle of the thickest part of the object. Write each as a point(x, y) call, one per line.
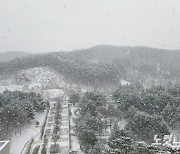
point(55, 25)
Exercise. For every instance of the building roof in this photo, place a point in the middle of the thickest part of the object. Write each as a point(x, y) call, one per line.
point(3, 144)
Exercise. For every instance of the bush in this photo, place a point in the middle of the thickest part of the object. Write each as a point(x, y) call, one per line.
point(54, 148)
point(44, 150)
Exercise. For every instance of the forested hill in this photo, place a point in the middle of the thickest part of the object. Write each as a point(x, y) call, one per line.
point(105, 65)
point(107, 53)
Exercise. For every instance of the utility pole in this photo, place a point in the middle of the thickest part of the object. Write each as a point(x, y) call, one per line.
point(65, 94)
point(42, 85)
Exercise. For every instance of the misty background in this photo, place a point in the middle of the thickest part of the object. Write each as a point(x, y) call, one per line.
point(57, 25)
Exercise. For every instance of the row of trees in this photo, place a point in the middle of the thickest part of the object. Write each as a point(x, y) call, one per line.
point(89, 123)
point(16, 109)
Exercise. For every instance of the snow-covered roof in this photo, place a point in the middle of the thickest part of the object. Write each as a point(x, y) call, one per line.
point(3, 144)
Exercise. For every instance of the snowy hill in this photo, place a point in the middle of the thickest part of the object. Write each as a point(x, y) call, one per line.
point(34, 79)
point(104, 66)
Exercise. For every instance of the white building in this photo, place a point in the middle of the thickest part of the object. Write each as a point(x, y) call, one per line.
point(4, 147)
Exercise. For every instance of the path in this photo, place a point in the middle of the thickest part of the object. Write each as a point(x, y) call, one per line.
point(48, 141)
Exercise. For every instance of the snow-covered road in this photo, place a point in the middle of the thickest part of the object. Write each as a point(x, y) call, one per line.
point(28, 132)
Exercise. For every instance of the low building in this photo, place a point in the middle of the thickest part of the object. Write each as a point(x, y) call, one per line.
point(4, 147)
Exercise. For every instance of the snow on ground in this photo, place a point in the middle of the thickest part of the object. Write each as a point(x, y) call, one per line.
point(124, 82)
point(28, 132)
point(75, 144)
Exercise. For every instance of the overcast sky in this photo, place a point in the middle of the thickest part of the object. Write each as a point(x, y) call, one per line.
point(56, 25)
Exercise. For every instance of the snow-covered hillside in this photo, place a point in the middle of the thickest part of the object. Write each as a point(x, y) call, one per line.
point(35, 79)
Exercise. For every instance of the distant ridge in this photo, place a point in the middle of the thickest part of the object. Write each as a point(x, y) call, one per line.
point(9, 55)
point(106, 65)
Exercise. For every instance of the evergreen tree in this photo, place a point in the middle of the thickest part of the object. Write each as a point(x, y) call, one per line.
point(120, 142)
